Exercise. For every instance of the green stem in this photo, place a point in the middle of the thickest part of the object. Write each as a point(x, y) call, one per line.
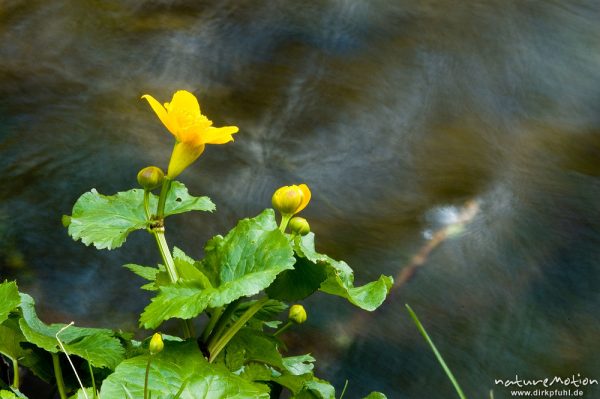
point(178, 394)
point(214, 318)
point(221, 342)
point(93, 379)
point(188, 329)
point(282, 329)
point(164, 191)
point(344, 389)
point(60, 383)
point(222, 323)
point(15, 383)
point(147, 377)
point(163, 247)
point(285, 219)
point(147, 204)
point(437, 354)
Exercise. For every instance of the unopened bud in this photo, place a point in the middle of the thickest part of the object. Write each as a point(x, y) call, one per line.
point(299, 226)
point(290, 200)
point(150, 177)
point(156, 344)
point(297, 314)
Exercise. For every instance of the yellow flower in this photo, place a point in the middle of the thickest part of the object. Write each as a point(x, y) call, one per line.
point(156, 344)
point(297, 314)
point(192, 130)
point(290, 200)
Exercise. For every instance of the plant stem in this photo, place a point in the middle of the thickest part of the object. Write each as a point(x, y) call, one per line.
point(282, 329)
point(69, 358)
point(147, 204)
point(60, 383)
point(344, 389)
point(214, 318)
point(222, 323)
point(178, 394)
point(15, 383)
point(164, 191)
point(147, 377)
point(165, 252)
point(285, 219)
point(163, 247)
point(437, 354)
point(93, 379)
point(221, 342)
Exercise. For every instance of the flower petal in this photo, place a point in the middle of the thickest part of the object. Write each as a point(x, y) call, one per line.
point(183, 156)
point(185, 102)
point(305, 197)
point(219, 135)
point(161, 112)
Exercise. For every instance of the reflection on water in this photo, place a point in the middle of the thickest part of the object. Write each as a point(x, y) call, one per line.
point(390, 111)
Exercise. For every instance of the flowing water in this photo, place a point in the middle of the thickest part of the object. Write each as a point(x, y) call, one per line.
point(396, 114)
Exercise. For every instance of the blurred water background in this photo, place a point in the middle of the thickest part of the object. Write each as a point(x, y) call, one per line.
point(395, 113)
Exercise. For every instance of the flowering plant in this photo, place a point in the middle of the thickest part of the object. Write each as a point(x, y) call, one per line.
point(242, 285)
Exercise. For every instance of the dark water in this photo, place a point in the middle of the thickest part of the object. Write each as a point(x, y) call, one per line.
point(394, 113)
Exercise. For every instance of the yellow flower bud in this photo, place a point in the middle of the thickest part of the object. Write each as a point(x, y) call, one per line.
point(150, 177)
point(297, 314)
point(156, 344)
point(290, 200)
point(299, 225)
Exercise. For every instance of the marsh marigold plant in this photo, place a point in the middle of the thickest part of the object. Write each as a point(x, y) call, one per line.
point(230, 303)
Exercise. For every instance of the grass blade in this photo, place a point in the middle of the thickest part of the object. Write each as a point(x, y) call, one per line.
point(437, 354)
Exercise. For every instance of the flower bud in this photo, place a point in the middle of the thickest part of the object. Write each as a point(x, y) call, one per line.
point(290, 200)
point(156, 344)
point(299, 226)
point(297, 314)
point(150, 177)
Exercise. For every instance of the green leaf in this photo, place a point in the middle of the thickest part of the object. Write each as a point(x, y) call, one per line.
point(80, 394)
point(106, 221)
point(178, 364)
point(98, 346)
point(375, 395)
point(39, 362)
point(257, 372)
point(242, 264)
point(368, 297)
point(9, 299)
point(10, 342)
point(256, 346)
point(14, 394)
point(340, 277)
point(294, 383)
point(316, 388)
point(299, 283)
point(180, 201)
point(187, 269)
point(298, 365)
point(156, 275)
point(145, 272)
point(174, 301)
